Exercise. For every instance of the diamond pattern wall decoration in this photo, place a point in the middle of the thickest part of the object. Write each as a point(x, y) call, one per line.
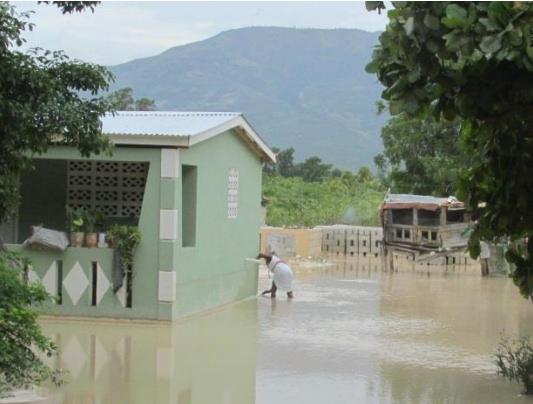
point(32, 276)
point(100, 357)
point(76, 283)
point(121, 295)
point(102, 284)
point(50, 279)
point(74, 357)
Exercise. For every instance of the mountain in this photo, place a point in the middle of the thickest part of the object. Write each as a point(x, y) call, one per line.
point(304, 88)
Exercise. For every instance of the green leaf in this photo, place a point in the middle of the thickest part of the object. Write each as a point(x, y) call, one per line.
point(411, 104)
point(374, 5)
point(455, 16)
point(396, 107)
point(431, 22)
point(372, 67)
point(399, 4)
point(491, 44)
point(409, 26)
point(515, 37)
point(489, 24)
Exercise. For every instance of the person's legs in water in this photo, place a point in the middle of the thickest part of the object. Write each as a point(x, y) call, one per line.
point(272, 291)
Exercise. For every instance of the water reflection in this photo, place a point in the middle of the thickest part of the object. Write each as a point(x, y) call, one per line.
point(353, 334)
point(421, 334)
point(208, 359)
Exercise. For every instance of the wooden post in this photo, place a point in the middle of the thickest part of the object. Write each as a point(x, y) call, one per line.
point(391, 259)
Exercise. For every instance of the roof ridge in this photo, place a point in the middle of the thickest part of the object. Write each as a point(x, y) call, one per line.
point(174, 113)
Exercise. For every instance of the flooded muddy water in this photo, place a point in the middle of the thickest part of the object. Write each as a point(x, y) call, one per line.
point(353, 334)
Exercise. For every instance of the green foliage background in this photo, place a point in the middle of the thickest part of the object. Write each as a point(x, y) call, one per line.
point(348, 199)
point(472, 62)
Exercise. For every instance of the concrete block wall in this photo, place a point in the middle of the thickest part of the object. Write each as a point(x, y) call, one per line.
point(350, 241)
point(307, 242)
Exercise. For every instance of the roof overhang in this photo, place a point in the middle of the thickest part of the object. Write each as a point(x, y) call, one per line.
point(404, 201)
point(244, 130)
point(238, 123)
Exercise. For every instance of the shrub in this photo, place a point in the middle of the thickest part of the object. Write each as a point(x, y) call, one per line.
point(514, 360)
point(21, 338)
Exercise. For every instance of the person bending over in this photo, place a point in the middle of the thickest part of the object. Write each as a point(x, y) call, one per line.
point(282, 275)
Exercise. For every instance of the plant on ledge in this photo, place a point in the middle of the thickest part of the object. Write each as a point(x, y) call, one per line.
point(91, 238)
point(75, 224)
point(125, 239)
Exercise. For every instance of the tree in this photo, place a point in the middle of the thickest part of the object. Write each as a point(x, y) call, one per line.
point(20, 367)
point(364, 174)
point(122, 100)
point(472, 61)
point(284, 165)
point(421, 156)
point(41, 103)
point(313, 170)
point(145, 104)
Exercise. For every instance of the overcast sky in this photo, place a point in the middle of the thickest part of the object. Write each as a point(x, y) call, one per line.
point(118, 32)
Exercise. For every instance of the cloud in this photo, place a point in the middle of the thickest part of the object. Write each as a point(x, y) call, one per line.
point(115, 33)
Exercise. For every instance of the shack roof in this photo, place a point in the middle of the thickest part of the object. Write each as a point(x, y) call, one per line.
point(179, 129)
point(406, 201)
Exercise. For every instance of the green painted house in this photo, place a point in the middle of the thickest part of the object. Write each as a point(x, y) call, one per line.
point(190, 181)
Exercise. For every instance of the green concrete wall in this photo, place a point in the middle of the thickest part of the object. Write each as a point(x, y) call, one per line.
point(145, 299)
point(215, 271)
point(211, 268)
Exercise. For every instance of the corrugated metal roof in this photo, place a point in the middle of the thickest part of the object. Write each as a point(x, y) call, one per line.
point(407, 201)
point(179, 129)
point(163, 123)
point(407, 198)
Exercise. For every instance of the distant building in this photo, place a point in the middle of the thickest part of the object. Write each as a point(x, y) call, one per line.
point(190, 181)
point(424, 225)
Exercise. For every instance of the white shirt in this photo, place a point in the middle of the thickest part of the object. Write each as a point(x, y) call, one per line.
point(282, 274)
point(485, 250)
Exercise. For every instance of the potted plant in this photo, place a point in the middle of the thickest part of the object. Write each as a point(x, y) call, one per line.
point(75, 223)
point(125, 239)
point(99, 226)
point(91, 238)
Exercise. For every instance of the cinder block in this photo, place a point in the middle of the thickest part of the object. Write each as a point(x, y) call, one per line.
point(364, 244)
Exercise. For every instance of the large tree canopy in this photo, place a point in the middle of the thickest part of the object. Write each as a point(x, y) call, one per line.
point(122, 100)
point(421, 156)
point(41, 101)
point(472, 61)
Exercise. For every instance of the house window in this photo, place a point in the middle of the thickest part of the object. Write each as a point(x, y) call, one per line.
point(428, 217)
point(115, 188)
point(455, 216)
point(233, 192)
point(188, 197)
point(402, 216)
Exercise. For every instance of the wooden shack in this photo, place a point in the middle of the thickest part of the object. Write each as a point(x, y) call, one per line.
point(425, 227)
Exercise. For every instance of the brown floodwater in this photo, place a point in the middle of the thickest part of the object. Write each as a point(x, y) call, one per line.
point(353, 334)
